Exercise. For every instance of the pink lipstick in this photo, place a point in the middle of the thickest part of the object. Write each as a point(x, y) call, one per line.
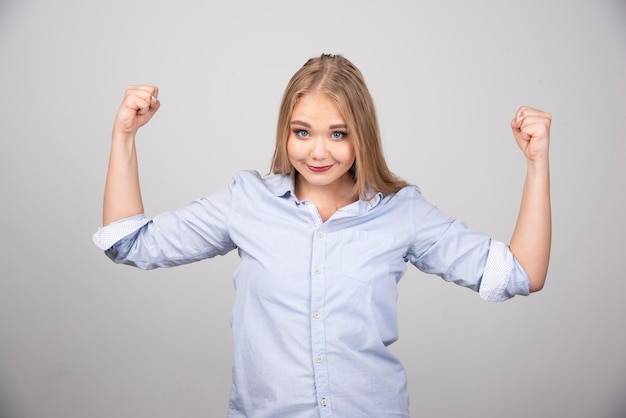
point(319, 169)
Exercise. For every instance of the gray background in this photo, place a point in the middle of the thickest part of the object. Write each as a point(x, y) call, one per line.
point(82, 337)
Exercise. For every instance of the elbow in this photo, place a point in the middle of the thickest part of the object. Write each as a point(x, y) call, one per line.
point(536, 287)
point(536, 270)
point(536, 283)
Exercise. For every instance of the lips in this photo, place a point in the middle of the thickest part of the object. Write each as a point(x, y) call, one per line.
point(319, 169)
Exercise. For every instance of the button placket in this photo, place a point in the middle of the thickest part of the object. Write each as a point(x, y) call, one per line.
point(318, 333)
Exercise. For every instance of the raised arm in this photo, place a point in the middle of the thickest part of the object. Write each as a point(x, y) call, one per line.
point(532, 235)
point(122, 194)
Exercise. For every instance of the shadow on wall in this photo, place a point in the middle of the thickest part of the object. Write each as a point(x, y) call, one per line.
point(619, 411)
point(12, 404)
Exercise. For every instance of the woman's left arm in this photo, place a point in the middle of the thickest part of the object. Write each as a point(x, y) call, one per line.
point(532, 236)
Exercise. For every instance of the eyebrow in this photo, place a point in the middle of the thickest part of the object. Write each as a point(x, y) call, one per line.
point(307, 125)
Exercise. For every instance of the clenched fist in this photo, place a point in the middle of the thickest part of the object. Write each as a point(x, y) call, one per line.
point(531, 128)
point(139, 105)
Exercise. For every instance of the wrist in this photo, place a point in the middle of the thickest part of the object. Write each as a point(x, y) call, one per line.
point(538, 166)
point(123, 138)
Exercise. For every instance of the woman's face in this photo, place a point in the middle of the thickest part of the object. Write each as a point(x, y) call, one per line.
point(319, 146)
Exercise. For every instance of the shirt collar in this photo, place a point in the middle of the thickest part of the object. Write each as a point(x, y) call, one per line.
point(282, 185)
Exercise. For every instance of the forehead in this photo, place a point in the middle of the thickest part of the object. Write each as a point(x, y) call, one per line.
point(317, 107)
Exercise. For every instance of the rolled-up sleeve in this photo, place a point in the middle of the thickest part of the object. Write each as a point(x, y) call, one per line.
point(503, 277)
point(197, 231)
point(106, 236)
point(448, 248)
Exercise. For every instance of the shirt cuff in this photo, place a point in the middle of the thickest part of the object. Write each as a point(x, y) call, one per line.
point(499, 271)
point(108, 235)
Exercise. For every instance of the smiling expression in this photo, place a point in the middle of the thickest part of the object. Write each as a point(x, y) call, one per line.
point(319, 147)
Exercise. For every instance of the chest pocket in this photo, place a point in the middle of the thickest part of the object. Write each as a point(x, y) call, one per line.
point(366, 256)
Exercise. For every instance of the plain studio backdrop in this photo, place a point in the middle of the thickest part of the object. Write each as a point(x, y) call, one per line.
point(82, 337)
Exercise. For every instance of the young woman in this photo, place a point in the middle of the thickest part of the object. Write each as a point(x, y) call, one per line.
point(323, 242)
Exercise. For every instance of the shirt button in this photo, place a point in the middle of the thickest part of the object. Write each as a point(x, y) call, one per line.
point(317, 315)
point(320, 235)
point(324, 402)
point(319, 359)
point(317, 271)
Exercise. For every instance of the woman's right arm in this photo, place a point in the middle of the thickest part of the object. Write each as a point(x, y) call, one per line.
point(122, 194)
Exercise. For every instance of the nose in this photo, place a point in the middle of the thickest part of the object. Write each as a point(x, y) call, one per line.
point(318, 149)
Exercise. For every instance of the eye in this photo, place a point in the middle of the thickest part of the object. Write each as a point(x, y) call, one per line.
point(338, 135)
point(301, 133)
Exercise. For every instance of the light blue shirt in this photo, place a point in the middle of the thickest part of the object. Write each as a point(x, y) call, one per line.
point(315, 305)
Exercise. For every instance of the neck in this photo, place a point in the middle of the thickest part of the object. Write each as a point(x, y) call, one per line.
point(334, 195)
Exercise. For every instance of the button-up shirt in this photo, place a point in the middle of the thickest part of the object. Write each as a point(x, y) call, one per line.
point(315, 304)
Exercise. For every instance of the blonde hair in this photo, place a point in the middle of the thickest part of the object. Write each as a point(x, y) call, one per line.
point(342, 81)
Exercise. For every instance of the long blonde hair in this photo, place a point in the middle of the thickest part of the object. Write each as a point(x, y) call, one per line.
point(342, 81)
